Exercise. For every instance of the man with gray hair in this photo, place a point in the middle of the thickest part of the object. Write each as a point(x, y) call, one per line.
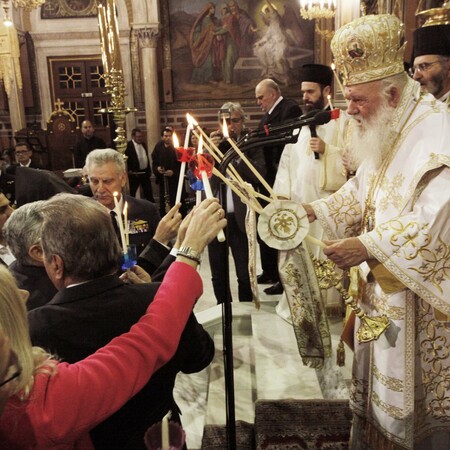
point(237, 239)
point(107, 176)
point(93, 306)
point(22, 233)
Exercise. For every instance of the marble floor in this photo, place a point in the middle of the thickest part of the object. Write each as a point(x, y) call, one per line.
point(266, 362)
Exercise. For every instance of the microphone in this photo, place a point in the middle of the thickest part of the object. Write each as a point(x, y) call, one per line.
point(312, 127)
point(315, 117)
point(319, 117)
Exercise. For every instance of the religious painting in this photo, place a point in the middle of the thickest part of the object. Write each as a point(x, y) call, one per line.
point(68, 9)
point(220, 51)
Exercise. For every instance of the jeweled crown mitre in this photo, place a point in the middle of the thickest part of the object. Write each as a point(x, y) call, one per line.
point(369, 48)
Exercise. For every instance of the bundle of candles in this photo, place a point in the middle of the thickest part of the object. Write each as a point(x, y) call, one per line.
point(203, 168)
point(123, 225)
point(129, 252)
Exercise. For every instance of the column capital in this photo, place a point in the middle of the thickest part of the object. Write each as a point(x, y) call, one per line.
point(148, 36)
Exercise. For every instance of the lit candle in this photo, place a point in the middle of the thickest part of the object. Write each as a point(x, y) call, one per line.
point(119, 219)
point(207, 186)
point(127, 227)
point(165, 432)
point(204, 175)
point(329, 102)
point(198, 194)
point(188, 131)
point(176, 144)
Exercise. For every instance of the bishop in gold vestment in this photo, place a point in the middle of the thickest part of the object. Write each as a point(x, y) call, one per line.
point(393, 220)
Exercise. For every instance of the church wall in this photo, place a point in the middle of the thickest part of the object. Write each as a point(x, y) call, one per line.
point(77, 37)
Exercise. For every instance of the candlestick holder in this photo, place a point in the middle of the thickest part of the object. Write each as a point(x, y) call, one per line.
point(129, 259)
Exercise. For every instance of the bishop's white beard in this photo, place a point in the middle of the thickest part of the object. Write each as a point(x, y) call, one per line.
point(371, 140)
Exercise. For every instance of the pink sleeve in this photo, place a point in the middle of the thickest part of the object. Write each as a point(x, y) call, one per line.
point(83, 394)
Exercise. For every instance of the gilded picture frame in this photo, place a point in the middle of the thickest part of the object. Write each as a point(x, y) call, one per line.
point(220, 51)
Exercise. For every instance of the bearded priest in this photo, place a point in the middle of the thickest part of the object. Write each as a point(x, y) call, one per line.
point(392, 221)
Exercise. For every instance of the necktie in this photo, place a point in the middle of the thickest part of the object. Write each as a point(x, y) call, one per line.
point(114, 223)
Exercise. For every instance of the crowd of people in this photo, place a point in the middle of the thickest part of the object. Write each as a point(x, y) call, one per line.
point(89, 352)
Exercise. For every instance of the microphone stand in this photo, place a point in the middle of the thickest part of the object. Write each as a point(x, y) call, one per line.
point(227, 333)
point(284, 133)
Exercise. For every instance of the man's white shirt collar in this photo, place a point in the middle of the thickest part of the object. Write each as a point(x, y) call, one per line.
point(275, 104)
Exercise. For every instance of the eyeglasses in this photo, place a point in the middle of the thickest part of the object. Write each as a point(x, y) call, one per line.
point(15, 375)
point(13, 361)
point(423, 67)
point(22, 152)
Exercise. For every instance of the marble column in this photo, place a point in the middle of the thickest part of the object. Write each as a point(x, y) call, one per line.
point(148, 39)
point(16, 108)
point(15, 96)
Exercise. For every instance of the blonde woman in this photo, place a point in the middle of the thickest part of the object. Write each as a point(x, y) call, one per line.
point(53, 405)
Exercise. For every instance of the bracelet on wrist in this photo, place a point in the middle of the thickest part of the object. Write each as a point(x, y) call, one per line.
point(190, 253)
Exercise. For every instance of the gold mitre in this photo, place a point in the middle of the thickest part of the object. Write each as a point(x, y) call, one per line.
point(369, 48)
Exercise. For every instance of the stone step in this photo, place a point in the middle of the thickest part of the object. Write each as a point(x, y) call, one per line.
point(244, 389)
point(279, 371)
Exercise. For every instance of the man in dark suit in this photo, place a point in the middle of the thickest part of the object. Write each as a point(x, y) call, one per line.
point(8, 185)
point(166, 167)
point(24, 158)
point(107, 175)
point(86, 143)
point(138, 163)
point(237, 239)
point(93, 306)
point(6, 257)
point(277, 110)
point(34, 184)
point(22, 233)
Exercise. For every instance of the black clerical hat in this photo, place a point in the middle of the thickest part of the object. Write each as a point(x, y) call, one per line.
point(316, 73)
point(431, 40)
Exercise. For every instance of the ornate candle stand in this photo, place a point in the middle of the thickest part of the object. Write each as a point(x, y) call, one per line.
point(116, 89)
point(372, 327)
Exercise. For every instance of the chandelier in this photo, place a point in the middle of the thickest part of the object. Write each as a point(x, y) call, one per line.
point(434, 12)
point(322, 9)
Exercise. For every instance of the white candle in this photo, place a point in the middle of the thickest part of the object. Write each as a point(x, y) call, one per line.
point(119, 219)
point(165, 433)
point(207, 186)
point(188, 133)
point(176, 144)
point(127, 227)
point(329, 102)
point(198, 194)
point(246, 161)
point(198, 197)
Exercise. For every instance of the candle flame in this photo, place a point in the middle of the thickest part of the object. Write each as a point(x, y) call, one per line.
point(191, 121)
point(176, 142)
point(226, 135)
point(333, 67)
point(329, 102)
point(116, 194)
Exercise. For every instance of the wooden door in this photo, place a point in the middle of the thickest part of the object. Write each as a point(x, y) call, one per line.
point(80, 84)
